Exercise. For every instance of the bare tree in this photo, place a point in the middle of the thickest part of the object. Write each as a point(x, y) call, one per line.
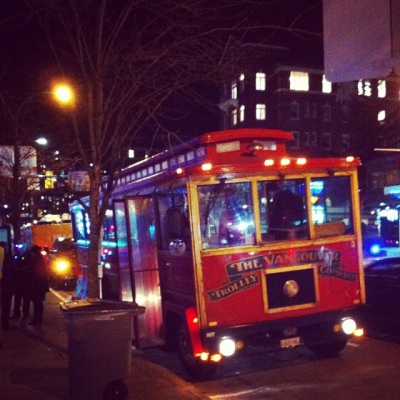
point(18, 159)
point(126, 60)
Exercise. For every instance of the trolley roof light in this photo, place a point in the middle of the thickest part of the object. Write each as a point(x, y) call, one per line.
point(206, 167)
point(301, 161)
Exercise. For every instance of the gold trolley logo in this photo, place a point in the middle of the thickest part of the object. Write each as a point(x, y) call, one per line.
point(243, 273)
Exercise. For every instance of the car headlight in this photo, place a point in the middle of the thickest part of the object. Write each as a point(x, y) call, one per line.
point(375, 249)
point(61, 265)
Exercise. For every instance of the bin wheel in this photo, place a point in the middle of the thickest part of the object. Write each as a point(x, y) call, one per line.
point(115, 390)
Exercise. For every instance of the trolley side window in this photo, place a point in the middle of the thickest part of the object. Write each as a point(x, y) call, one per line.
point(108, 227)
point(332, 212)
point(283, 213)
point(226, 215)
point(174, 220)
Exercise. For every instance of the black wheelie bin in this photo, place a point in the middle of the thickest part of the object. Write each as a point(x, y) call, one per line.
point(99, 347)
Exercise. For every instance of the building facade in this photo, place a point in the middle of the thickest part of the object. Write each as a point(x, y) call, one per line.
point(325, 118)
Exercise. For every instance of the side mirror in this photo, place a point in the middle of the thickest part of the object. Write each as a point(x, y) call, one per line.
point(177, 247)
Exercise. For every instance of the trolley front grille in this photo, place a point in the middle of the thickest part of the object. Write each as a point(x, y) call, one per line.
point(291, 288)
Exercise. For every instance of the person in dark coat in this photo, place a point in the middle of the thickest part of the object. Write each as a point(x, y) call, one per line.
point(38, 284)
point(7, 288)
point(22, 263)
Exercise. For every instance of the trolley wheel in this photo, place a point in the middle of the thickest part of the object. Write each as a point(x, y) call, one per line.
point(115, 390)
point(328, 350)
point(194, 366)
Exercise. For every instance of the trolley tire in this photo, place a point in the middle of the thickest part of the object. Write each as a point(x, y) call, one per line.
point(328, 350)
point(116, 390)
point(194, 366)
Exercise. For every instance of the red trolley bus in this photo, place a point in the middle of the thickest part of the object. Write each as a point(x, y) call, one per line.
point(229, 242)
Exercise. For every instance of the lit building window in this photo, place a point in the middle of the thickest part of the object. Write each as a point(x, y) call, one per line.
point(326, 113)
point(367, 88)
point(260, 81)
point(382, 88)
point(327, 141)
point(298, 80)
point(241, 83)
point(294, 110)
point(241, 115)
point(326, 85)
point(381, 115)
point(360, 87)
point(364, 88)
point(234, 90)
point(234, 117)
point(260, 112)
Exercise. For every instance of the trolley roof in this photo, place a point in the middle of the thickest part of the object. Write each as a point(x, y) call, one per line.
point(225, 152)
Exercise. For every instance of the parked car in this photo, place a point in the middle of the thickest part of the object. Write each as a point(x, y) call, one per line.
point(382, 283)
point(63, 266)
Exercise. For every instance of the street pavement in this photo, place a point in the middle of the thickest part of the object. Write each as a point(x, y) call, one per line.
point(34, 364)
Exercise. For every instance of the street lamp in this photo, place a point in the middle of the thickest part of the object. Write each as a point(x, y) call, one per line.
point(22, 157)
point(64, 94)
point(42, 141)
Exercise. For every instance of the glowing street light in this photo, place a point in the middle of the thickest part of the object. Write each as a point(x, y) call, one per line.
point(63, 94)
point(42, 141)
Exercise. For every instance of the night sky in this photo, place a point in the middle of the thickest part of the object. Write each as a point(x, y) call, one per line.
point(26, 63)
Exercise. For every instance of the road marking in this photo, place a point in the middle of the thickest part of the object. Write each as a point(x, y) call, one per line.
point(244, 393)
point(61, 297)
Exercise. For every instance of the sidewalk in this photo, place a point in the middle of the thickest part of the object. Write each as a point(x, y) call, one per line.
point(34, 364)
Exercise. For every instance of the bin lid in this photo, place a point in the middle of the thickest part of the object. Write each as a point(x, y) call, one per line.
point(103, 306)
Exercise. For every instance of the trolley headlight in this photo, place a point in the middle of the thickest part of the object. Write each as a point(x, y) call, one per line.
point(348, 326)
point(61, 265)
point(227, 347)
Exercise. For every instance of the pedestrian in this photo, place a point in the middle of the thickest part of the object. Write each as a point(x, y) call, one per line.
point(7, 287)
point(38, 284)
point(2, 247)
point(21, 297)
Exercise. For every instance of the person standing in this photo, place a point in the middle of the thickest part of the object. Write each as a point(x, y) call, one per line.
point(2, 249)
point(7, 288)
point(38, 284)
point(21, 297)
